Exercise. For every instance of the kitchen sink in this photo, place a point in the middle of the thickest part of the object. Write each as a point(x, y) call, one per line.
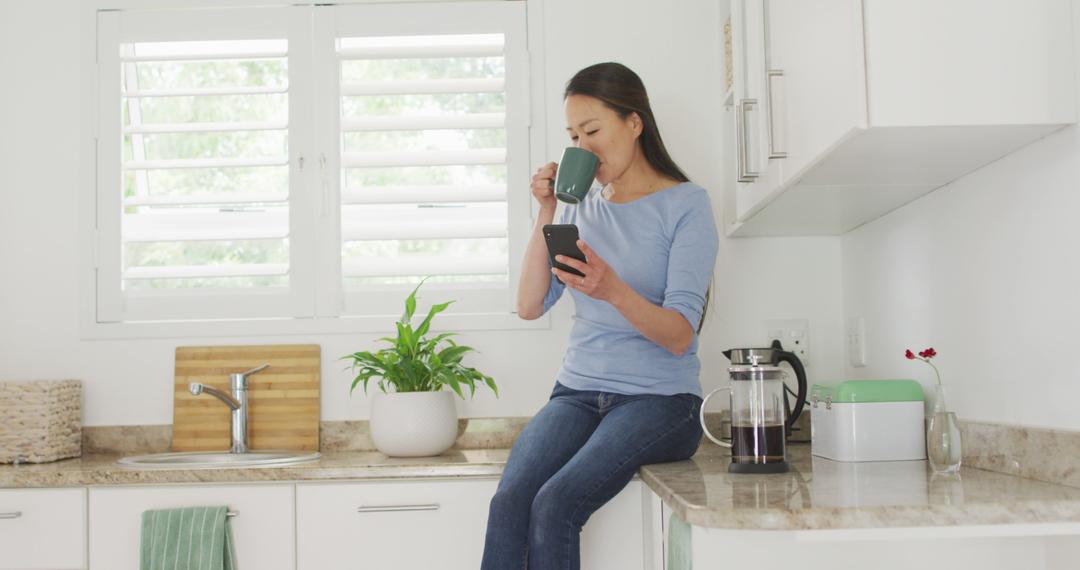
point(218, 459)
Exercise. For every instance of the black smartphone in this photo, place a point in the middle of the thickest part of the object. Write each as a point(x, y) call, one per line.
point(562, 240)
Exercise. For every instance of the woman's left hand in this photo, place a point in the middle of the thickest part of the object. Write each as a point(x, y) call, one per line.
point(600, 281)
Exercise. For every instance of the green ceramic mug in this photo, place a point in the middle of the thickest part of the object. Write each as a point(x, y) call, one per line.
point(575, 176)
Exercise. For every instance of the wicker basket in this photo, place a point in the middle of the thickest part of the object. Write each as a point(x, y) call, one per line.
point(40, 421)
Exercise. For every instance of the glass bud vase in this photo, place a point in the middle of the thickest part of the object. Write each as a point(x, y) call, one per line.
point(943, 447)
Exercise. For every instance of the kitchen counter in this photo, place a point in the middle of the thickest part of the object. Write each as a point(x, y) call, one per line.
point(101, 469)
point(816, 494)
point(820, 494)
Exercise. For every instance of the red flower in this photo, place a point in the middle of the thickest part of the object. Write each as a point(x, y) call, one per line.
point(925, 356)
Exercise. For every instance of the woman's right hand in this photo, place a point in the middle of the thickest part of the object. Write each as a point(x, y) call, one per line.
point(543, 185)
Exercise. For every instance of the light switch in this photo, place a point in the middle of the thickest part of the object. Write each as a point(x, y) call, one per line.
point(856, 341)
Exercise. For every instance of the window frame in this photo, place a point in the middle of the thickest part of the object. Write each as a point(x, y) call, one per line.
point(232, 23)
point(316, 303)
point(336, 21)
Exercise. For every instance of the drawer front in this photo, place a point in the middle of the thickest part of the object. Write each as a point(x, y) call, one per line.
point(42, 528)
point(392, 525)
point(263, 528)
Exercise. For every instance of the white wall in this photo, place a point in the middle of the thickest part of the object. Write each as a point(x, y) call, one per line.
point(674, 46)
point(987, 271)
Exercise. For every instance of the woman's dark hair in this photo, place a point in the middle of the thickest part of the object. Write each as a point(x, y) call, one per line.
point(622, 90)
point(704, 309)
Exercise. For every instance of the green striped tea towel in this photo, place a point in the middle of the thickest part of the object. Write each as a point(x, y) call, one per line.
point(192, 538)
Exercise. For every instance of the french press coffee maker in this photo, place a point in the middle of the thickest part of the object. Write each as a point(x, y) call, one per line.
point(761, 418)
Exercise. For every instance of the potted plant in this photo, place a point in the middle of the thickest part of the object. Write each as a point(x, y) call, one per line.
point(418, 417)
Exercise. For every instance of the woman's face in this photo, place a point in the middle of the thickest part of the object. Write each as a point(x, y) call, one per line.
point(595, 127)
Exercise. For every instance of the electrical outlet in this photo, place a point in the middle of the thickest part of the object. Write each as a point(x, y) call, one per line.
point(793, 334)
point(856, 341)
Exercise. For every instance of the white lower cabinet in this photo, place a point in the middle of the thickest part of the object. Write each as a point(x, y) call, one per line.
point(413, 525)
point(614, 537)
point(396, 525)
point(382, 525)
point(42, 529)
point(652, 517)
point(440, 524)
point(262, 526)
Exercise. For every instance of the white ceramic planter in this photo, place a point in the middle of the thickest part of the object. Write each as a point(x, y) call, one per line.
point(413, 424)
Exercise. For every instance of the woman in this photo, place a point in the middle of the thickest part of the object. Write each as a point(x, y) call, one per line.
point(628, 393)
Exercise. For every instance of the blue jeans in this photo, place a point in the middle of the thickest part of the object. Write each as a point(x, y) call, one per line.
point(575, 454)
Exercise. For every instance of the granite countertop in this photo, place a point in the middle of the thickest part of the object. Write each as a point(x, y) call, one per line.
point(822, 494)
point(816, 494)
point(101, 469)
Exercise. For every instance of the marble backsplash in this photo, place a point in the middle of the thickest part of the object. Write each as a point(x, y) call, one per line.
point(1034, 453)
point(473, 433)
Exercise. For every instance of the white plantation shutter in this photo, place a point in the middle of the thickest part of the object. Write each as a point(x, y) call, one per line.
point(429, 124)
point(195, 179)
point(309, 161)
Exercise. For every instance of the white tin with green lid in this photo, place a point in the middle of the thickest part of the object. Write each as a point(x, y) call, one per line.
point(867, 420)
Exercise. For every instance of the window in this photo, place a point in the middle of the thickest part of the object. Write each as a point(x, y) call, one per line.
point(309, 161)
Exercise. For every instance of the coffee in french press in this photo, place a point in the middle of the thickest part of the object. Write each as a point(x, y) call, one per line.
point(760, 420)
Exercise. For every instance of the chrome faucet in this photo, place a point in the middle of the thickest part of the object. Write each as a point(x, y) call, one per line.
point(237, 402)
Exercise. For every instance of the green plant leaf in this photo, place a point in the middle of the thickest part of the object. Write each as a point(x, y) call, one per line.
point(454, 354)
point(412, 362)
point(357, 381)
point(491, 384)
point(455, 385)
point(435, 309)
point(410, 306)
point(405, 341)
point(410, 303)
point(365, 370)
point(430, 344)
point(408, 373)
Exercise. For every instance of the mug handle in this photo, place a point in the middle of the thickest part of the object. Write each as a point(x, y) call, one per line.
point(701, 417)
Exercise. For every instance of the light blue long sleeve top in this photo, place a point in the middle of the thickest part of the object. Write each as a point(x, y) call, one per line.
point(664, 246)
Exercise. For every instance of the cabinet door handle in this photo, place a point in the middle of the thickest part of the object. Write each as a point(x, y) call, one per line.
point(742, 133)
point(11, 515)
point(740, 149)
point(775, 149)
point(394, 508)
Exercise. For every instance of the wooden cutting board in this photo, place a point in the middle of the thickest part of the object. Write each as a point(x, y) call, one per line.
point(283, 400)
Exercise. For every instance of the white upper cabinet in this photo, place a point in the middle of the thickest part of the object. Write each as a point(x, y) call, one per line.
point(844, 110)
point(757, 173)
